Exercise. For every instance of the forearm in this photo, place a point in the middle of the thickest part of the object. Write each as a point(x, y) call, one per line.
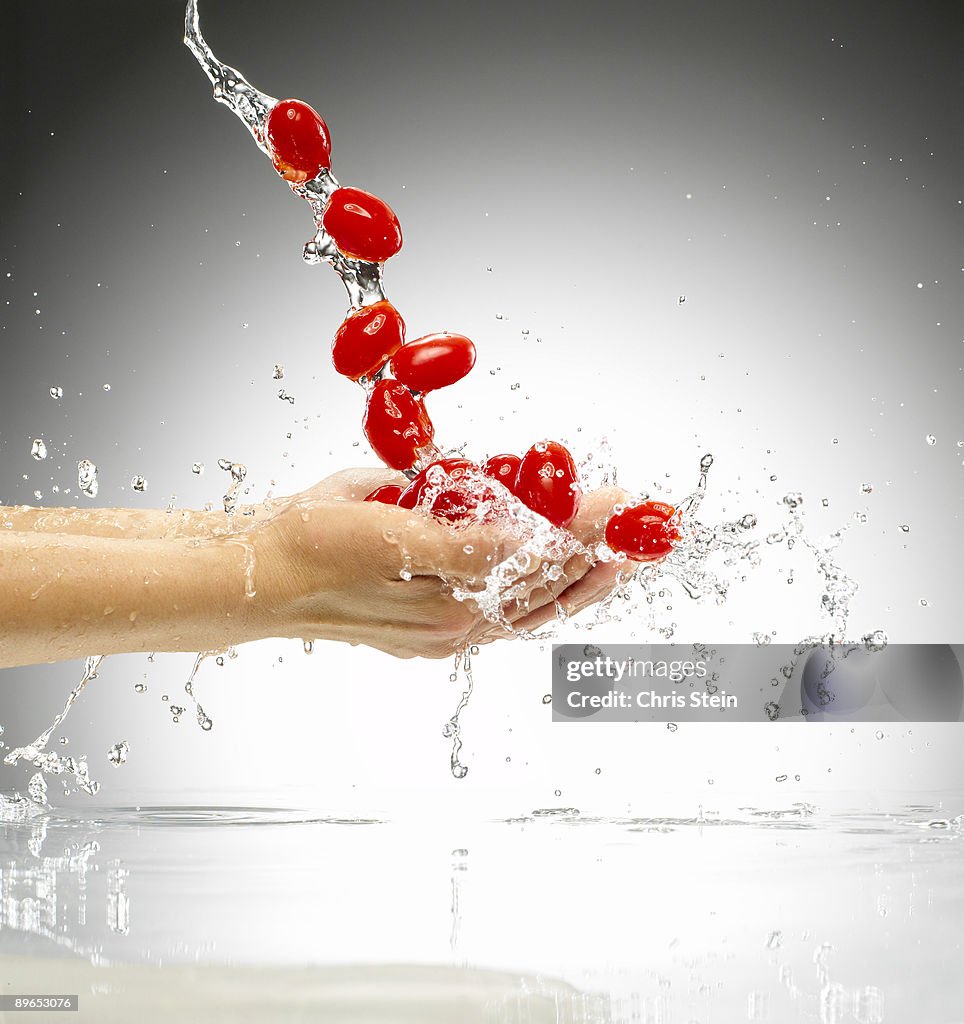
point(128, 523)
point(65, 596)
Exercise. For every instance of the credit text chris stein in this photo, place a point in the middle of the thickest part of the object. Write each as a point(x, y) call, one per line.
point(651, 699)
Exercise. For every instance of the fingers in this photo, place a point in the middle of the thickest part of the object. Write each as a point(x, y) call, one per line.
point(594, 586)
point(539, 589)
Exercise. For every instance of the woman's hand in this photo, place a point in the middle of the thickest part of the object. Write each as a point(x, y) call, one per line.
point(334, 566)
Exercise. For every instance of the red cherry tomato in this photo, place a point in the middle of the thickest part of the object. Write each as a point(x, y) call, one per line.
point(363, 226)
point(396, 424)
point(548, 482)
point(387, 494)
point(643, 532)
point(298, 141)
point(367, 338)
point(433, 362)
point(505, 469)
point(455, 499)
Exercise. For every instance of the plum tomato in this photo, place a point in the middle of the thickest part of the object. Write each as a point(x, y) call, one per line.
point(505, 469)
point(548, 482)
point(366, 339)
point(643, 532)
point(454, 500)
point(363, 226)
point(433, 362)
point(298, 141)
point(387, 494)
point(396, 424)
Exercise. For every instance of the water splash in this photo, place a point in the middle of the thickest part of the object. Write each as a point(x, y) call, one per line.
point(238, 472)
point(453, 728)
point(47, 761)
point(203, 720)
point(230, 86)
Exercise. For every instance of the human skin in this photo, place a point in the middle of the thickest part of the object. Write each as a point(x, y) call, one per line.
point(322, 564)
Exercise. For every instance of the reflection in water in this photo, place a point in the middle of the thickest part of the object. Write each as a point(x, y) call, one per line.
point(43, 894)
point(779, 915)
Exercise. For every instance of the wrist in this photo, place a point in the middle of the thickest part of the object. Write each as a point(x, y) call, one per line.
point(266, 602)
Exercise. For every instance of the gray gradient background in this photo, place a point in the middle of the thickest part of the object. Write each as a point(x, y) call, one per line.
point(558, 145)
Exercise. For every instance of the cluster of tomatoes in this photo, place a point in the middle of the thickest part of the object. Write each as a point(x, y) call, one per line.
point(396, 422)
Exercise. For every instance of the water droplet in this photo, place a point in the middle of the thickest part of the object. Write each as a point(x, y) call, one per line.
point(87, 477)
point(56, 392)
point(879, 734)
point(672, 726)
point(138, 483)
point(117, 755)
point(197, 468)
point(279, 371)
point(140, 687)
point(706, 462)
point(37, 788)
point(931, 439)
point(547, 698)
point(38, 449)
point(866, 488)
point(875, 641)
point(107, 387)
